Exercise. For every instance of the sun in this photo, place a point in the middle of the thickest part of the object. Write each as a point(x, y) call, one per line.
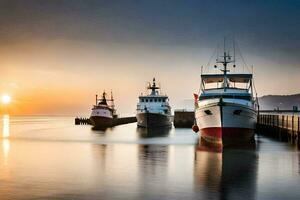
point(5, 99)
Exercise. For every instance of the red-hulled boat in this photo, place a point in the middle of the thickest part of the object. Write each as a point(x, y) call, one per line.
point(226, 110)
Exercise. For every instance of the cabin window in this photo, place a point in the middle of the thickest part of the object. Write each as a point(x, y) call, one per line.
point(164, 100)
point(142, 100)
point(155, 100)
point(159, 100)
point(246, 97)
point(146, 100)
point(150, 100)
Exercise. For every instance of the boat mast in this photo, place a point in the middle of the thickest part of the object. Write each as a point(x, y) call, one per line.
point(153, 87)
point(112, 100)
point(103, 100)
point(226, 59)
point(103, 95)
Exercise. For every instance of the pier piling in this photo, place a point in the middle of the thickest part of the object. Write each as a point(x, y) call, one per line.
point(82, 121)
point(282, 126)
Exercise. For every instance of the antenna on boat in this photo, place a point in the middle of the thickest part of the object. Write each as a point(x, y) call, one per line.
point(226, 59)
point(234, 52)
point(96, 99)
point(159, 86)
point(224, 44)
point(112, 100)
point(111, 95)
point(153, 87)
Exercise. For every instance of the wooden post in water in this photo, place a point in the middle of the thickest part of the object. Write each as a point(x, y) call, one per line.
point(282, 128)
point(277, 126)
point(286, 127)
point(292, 133)
point(298, 132)
point(77, 122)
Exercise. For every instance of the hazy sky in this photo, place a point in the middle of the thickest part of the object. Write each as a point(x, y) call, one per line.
point(55, 55)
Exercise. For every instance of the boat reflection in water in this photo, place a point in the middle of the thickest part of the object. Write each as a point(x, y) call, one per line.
point(153, 170)
point(226, 173)
point(100, 129)
point(153, 132)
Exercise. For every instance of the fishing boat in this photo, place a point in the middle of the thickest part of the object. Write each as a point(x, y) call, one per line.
point(153, 109)
point(103, 112)
point(226, 109)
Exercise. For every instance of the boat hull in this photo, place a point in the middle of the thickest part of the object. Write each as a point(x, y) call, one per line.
point(227, 135)
point(101, 122)
point(226, 123)
point(153, 120)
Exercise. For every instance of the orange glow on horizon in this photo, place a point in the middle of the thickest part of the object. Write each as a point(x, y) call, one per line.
point(62, 77)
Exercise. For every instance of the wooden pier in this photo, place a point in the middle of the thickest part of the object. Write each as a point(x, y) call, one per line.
point(124, 120)
point(276, 124)
point(82, 121)
point(116, 121)
point(285, 127)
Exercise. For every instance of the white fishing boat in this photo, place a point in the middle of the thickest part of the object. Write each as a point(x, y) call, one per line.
point(226, 109)
point(103, 112)
point(153, 109)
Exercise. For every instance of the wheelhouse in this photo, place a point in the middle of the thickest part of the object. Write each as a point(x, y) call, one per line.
point(230, 81)
point(233, 86)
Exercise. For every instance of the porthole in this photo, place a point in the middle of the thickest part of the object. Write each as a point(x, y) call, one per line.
point(208, 112)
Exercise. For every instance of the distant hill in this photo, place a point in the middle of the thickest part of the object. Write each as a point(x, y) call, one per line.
point(283, 102)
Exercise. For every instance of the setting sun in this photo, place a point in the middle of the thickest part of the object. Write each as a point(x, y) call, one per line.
point(5, 99)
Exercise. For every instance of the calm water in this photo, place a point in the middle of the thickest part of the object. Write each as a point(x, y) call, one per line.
point(50, 158)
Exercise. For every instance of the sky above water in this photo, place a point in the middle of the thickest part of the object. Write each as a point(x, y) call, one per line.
point(56, 55)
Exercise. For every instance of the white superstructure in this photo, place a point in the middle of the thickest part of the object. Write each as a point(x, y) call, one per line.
point(103, 113)
point(153, 108)
point(226, 110)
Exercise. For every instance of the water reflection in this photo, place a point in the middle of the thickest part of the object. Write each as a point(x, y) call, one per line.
point(227, 174)
point(46, 160)
point(5, 126)
point(153, 132)
point(153, 170)
point(5, 137)
point(99, 129)
point(207, 171)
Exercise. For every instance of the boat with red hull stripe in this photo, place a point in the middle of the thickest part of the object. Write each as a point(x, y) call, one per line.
point(228, 135)
point(226, 109)
point(103, 114)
